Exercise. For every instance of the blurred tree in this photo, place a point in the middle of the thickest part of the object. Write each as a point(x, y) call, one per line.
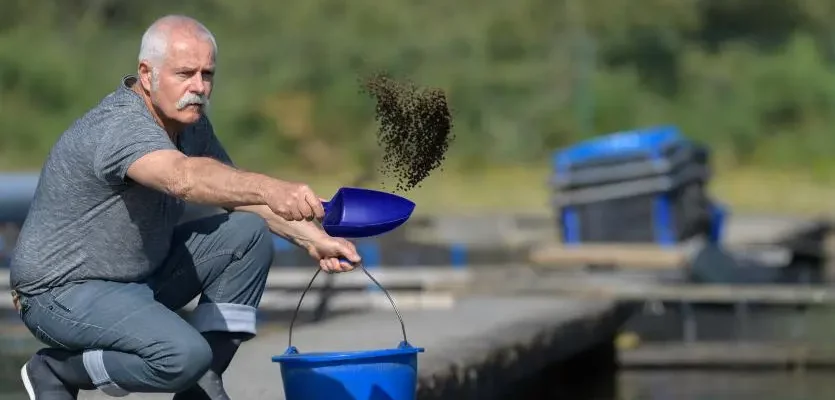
point(753, 78)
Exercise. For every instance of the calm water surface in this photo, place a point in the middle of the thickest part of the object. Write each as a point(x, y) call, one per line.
point(682, 386)
point(647, 385)
point(723, 386)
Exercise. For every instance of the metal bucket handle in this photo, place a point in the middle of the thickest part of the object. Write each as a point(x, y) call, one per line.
point(309, 284)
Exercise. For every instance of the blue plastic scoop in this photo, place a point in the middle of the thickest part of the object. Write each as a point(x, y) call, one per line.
point(356, 212)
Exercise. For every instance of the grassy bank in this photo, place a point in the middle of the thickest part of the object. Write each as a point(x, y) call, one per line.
point(525, 190)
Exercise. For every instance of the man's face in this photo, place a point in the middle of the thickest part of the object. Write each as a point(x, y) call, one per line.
point(181, 85)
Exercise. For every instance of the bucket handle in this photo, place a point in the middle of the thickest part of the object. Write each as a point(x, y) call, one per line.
point(362, 267)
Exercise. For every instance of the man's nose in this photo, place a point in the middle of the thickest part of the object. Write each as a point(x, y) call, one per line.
point(198, 85)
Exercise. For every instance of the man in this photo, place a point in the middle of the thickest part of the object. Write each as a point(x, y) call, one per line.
point(101, 263)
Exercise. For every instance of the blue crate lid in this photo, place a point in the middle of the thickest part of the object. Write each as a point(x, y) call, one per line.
point(647, 140)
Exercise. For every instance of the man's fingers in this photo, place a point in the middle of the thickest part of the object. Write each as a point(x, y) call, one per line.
point(295, 215)
point(348, 251)
point(334, 265)
point(330, 265)
point(305, 210)
point(323, 265)
point(345, 266)
point(315, 206)
point(339, 256)
point(342, 265)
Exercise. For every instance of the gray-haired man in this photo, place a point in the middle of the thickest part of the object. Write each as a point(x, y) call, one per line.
point(101, 263)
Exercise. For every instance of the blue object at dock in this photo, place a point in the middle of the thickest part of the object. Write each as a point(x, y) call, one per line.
point(383, 374)
point(650, 142)
point(642, 185)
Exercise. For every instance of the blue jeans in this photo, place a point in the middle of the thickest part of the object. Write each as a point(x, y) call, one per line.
point(130, 335)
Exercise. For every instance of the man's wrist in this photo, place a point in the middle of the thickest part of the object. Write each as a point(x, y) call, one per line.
point(308, 234)
point(262, 187)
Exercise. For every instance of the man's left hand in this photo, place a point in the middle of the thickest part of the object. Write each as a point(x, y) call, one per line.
point(332, 254)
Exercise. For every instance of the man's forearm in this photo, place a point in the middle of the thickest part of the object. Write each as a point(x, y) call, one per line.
point(300, 233)
point(208, 181)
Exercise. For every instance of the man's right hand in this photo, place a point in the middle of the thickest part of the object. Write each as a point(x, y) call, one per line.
point(294, 201)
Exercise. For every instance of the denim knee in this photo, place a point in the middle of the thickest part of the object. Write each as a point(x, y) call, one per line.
point(253, 236)
point(181, 363)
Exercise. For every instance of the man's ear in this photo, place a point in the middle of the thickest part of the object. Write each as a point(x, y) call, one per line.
point(145, 72)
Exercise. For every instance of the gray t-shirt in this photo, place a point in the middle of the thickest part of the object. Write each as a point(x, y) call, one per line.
point(88, 220)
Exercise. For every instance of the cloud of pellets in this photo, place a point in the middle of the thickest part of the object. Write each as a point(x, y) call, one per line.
point(415, 129)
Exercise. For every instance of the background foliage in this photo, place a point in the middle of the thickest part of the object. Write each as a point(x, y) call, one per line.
point(753, 78)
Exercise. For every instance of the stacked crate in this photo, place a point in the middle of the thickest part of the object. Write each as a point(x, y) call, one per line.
point(638, 186)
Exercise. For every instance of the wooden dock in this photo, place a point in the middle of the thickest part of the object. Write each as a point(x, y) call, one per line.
point(481, 346)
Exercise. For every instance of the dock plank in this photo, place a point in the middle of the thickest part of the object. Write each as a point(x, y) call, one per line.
point(643, 256)
point(761, 294)
point(684, 292)
point(642, 288)
point(743, 234)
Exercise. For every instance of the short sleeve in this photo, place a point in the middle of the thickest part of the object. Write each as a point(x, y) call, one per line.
point(212, 146)
point(122, 144)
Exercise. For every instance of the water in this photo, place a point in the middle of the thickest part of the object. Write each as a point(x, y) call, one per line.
point(589, 376)
point(679, 385)
point(722, 385)
point(687, 385)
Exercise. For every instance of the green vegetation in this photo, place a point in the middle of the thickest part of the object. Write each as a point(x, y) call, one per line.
point(753, 78)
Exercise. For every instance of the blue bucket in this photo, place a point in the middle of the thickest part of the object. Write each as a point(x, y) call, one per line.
point(383, 374)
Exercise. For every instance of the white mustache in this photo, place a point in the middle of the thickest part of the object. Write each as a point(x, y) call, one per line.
point(192, 98)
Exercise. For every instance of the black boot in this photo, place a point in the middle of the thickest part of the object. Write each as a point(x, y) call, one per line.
point(55, 374)
point(210, 386)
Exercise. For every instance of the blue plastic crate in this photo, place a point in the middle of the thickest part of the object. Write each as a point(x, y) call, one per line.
point(647, 145)
point(629, 172)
